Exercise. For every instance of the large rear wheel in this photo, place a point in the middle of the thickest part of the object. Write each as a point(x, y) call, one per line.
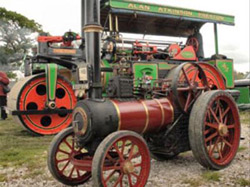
point(214, 129)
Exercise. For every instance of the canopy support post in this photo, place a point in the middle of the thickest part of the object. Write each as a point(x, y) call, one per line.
point(216, 39)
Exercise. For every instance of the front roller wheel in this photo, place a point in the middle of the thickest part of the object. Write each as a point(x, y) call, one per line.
point(122, 159)
point(214, 129)
point(61, 156)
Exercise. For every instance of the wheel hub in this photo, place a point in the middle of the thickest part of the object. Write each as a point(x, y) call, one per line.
point(128, 167)
point(223, 130)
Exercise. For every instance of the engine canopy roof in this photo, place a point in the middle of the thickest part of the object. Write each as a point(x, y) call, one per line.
point(144, 18)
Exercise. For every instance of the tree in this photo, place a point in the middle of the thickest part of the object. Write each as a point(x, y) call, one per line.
point(15, 35)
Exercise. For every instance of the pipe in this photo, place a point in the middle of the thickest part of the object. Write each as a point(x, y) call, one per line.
point(92, 30)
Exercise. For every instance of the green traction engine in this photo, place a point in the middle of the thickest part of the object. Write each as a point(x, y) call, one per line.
point(140, 98)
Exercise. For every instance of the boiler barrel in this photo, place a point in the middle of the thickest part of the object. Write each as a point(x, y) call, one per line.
point(144, 115)
point(95, 119)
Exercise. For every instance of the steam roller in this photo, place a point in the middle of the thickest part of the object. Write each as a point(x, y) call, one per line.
point(43, 103)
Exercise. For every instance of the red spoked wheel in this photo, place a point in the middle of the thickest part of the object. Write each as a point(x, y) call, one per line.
point(188, 85)
point(194, 43)
point(33, 97)
point(214, 129)
point(62, 155)
point(122, 159)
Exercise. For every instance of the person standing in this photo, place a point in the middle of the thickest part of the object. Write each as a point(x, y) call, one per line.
point(4, 89)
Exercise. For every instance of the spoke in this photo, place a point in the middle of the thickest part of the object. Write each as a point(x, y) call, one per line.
point(212, 125)
point(118, 180)
point(214, 115)
point(130, 180)
point(210, 146)
point(226, 142)
point(110, 175)
point(62, 151)
point(207, 131)
point(110, 158)
point(225, 112)
point(106, 168)
point(65, 166)
point(62, 160)
point(186, 77)
point(119, 153)
point(123, 146)
point(219, 151)
point(231, 126)
point(134, 175)
point(212, 150)
point(131, 152)
point(211, 137)
point(195, 75)
point(135, 155)
point(209, 116)
point(73, 143)
point(187, 102)
point(67, 143)
point(220, 113)
point(138, 165)
point(225, 121)
point(78, 173)
point(72, 170)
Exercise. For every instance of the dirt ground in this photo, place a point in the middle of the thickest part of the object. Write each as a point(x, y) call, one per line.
point(181, 171)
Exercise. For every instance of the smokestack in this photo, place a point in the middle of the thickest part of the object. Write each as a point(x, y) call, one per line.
point(83, 19)
point(92, 30)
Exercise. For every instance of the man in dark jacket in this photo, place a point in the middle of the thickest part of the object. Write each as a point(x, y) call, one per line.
point(4, 81)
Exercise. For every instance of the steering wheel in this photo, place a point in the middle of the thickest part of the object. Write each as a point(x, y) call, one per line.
point(194, 43)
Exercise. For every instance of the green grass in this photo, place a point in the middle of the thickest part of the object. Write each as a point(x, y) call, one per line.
point(19, 148)
point(243, 182)
point(211, 176)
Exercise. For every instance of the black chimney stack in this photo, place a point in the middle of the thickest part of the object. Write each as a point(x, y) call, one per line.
point(92, 30)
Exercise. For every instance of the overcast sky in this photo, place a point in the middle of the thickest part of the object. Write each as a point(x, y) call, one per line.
point(58, 16)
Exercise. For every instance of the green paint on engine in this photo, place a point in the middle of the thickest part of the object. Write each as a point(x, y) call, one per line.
point(51, 79)
point(226, 69)
point(244, 95)
point(187, 54)
point(144, 69)
point(106, 76)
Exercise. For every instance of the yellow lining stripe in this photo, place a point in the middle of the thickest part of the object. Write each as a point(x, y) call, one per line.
point(147, 114)
point(162, 112)
point(172, 109)
point(118, 113)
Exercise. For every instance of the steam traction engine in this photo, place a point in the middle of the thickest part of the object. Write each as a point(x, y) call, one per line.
point(163, 106)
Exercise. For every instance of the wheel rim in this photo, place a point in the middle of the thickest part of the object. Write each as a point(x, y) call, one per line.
point(189, 84)
point(33, 97)
point(126, 162)
point(66, 151)
point(194, 43)
point(221, 131)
